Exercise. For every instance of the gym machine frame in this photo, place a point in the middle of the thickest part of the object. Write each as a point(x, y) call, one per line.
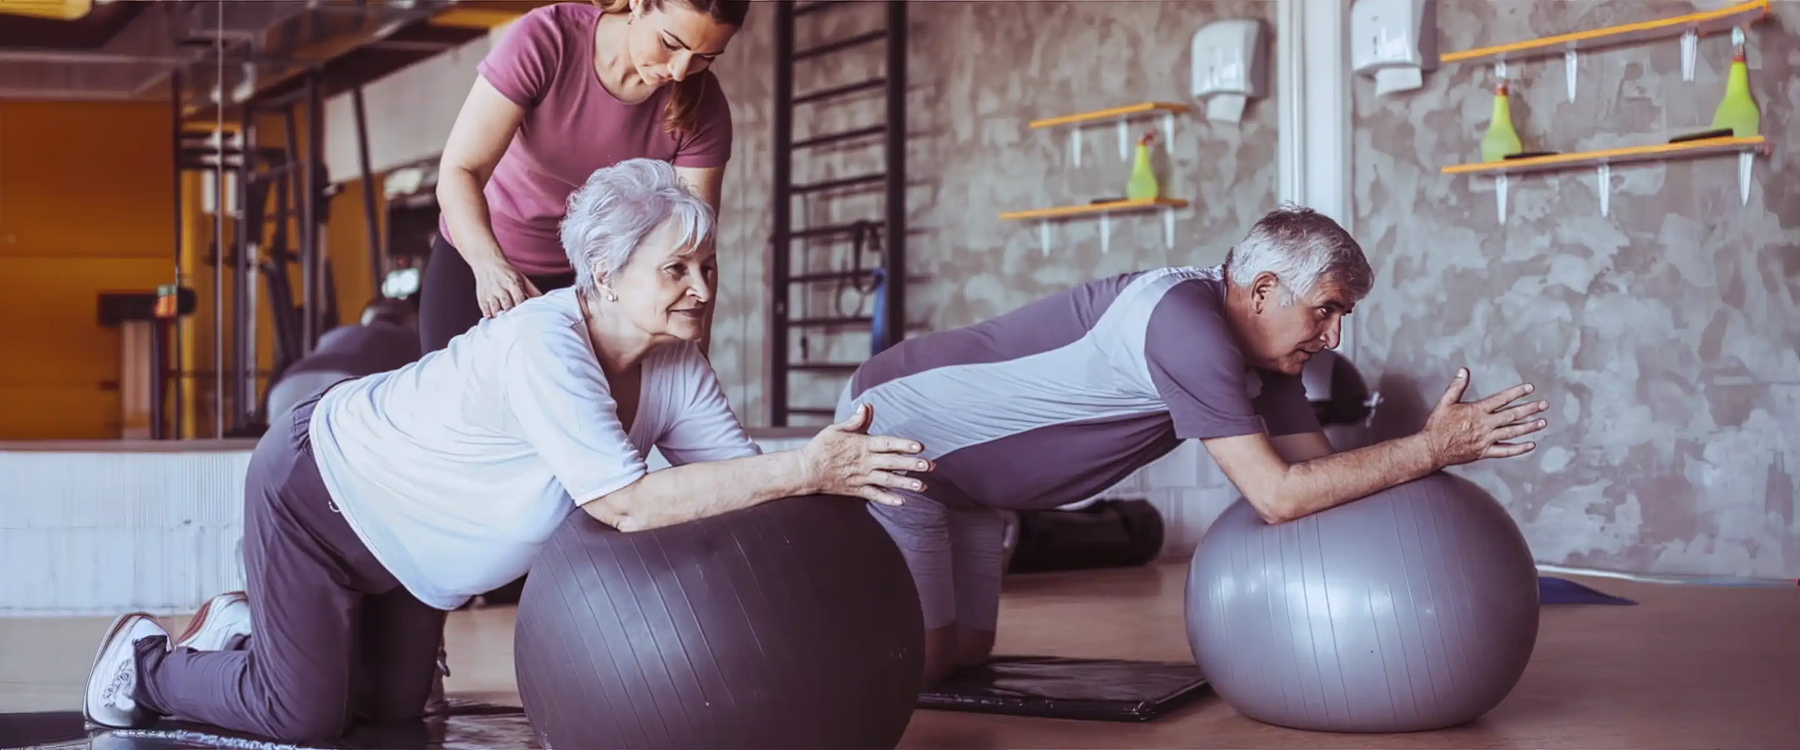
point(290, 171)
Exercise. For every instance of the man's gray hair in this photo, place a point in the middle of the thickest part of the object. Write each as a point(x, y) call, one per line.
point(1302, 247)
point(609, 217)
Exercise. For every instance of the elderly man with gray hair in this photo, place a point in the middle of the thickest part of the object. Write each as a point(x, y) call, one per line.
point(380, 503)
point(1056, 401)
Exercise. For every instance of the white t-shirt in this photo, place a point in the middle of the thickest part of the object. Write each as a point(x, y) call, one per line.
point(455, 469)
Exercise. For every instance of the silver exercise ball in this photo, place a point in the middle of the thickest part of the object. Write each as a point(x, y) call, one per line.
point(1411, 609)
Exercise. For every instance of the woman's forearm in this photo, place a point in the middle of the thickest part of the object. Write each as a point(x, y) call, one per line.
point(699, 490)
point(466, 212)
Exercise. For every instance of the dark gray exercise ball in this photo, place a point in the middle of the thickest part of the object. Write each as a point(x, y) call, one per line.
point(1414, 608)
point(791, 624)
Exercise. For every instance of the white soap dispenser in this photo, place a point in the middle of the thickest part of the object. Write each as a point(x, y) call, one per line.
point(1229, 67)
point(1395, 41)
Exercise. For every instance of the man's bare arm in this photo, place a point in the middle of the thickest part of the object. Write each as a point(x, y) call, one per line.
point(1281, 489)
point(1303, 446)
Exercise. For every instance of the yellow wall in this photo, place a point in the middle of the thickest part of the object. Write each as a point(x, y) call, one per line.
point(86, 206)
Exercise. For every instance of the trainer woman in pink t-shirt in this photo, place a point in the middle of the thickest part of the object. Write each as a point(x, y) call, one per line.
point(568, 89)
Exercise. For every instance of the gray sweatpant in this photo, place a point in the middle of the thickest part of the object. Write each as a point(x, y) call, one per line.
point(336, 640)
point(956, 553)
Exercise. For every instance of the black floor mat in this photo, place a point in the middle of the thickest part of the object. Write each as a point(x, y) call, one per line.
point(466, 725)
point(1056, 687)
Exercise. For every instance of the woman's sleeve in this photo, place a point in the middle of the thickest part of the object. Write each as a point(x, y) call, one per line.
point(523, 61)
point(710, 143)
point(704, 427)
point(570, 418)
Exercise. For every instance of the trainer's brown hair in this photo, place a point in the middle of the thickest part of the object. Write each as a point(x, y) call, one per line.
point(684, 101)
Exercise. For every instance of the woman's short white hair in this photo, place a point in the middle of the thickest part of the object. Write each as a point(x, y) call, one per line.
point(609, 217)
point(1301, 247)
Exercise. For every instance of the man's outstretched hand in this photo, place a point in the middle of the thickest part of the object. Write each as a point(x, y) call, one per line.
point(1460, 433)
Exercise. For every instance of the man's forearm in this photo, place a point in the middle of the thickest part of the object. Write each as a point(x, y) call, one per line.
point(699, 490)
point(1329, 481)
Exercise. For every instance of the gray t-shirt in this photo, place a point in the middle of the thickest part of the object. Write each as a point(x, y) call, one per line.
point(1062, 398)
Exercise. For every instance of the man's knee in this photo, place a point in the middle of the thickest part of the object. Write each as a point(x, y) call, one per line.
point(940, 653)
point(973, 646)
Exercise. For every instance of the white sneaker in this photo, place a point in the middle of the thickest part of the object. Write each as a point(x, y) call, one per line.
point(220, 619)
point(114, 679)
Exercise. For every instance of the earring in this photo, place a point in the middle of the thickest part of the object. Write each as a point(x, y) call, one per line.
point(611, 297)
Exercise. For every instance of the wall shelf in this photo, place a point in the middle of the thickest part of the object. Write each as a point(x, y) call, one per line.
point(1688, 27)
point(1104, 211)
point(1121, 116)
point(1602, 160)
point(1115, 113)
point(1109, 207)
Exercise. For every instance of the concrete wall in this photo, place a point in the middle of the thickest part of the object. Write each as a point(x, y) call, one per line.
point(979, 72)
point(1663, 335)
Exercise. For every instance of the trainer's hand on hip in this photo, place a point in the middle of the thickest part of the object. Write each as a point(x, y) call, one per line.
point(843, 459)
point(1460, 433)
point(500, 287)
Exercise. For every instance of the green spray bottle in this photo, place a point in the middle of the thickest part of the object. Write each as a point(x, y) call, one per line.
point(1142, 186)
point(1501, 140)
point(1737, 110)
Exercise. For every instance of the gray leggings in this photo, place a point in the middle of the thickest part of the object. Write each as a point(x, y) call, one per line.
point(956, 555)
point(336, 640)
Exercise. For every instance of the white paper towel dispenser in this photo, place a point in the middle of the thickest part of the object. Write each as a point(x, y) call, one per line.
point(1229, 67)
point(1395, 41)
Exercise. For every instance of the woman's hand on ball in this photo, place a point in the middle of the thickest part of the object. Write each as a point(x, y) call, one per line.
point(843, 459)
point(1460, 433)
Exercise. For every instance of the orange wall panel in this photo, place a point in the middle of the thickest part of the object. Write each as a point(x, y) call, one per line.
point(86, 206)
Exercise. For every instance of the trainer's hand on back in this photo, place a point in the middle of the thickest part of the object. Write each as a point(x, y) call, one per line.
point(500, 287)
point(843, 459)
point(1460, 432)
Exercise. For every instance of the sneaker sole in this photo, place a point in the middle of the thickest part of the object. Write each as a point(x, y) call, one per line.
point(87, 692)
point(195, 625)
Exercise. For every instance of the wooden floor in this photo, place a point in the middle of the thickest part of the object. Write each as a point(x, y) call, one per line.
point(1691, 667)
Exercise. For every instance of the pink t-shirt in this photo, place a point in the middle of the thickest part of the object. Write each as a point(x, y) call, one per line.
point(573, 126)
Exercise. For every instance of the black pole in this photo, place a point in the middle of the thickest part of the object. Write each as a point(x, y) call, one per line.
point(377, 258)
point(779, 258)
point(309, 229)
point(158, 337)
point(245, 238)
point(175, 322)
point(895, 313)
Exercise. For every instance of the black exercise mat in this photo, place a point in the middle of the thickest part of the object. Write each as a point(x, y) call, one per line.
point(464, 725)
point(1063, 688)
point(1553, 590)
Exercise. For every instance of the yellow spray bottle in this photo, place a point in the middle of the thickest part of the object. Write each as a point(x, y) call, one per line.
point(1737, 110)
point(1142, 186)
point(1501, 140)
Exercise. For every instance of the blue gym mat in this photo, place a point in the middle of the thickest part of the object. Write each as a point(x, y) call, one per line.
point(1553, 590)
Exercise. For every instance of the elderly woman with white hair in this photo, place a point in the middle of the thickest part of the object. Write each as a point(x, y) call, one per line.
point(1050, 404)
point(381, 503)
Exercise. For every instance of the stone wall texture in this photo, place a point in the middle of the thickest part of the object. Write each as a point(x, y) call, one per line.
point(978, 74)
point(1663, 335)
